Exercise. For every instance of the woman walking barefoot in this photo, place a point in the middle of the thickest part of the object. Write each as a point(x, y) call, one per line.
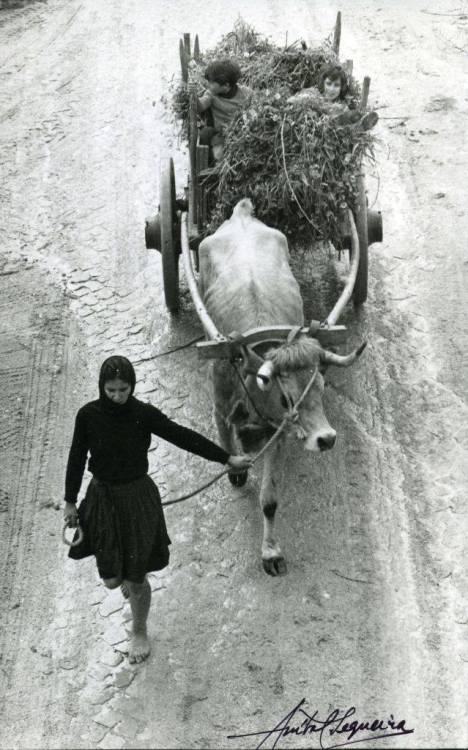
point(121, 514)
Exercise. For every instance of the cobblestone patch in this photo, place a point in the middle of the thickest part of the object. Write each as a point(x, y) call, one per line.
point(97, 697)
point(113, 602)
point(112, 742)
point(94, 734)
point(115, 634)
point(108, 718)
point(100, 672)
point(97, 596)
point(129, 706)
point(128, 728)
point(111, 658)
point(122, 648)
point(124, 678)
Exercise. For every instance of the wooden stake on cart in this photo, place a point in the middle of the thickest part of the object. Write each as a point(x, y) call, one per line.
point(203, 155)
point(183, 61)
point(196, 48)
point(193, 137)
point(337, 35)
point(365, 93)
point(193, 183)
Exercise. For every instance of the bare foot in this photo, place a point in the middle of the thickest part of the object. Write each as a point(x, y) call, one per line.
point(125, 590)
point(139, 648)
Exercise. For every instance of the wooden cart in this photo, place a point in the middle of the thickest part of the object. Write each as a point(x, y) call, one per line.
point(180, 225)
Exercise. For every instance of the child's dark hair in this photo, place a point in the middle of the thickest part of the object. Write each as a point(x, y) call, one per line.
point(117, 367)
point(222, 72)
point(333, 72)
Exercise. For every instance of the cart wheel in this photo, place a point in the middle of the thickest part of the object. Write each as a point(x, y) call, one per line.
point(169, 241)
point(360, 218)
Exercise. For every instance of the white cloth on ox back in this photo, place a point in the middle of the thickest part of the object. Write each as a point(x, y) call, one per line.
point(245, 277)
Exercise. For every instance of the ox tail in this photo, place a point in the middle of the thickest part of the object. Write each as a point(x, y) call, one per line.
point(244, 209)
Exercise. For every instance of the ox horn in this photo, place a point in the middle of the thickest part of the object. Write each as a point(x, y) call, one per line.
point(251, 361)
point(330, 358)
point(265, 375)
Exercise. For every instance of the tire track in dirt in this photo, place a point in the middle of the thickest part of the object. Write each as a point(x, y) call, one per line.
point(32, 350)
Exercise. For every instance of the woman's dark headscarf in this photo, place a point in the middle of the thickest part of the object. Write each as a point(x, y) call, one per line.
point(113, 368)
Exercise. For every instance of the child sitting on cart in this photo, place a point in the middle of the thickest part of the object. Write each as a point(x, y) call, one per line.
point(331, 98)
point(221, 100)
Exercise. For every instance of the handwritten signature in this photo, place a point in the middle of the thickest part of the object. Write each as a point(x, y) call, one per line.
point(333, 729)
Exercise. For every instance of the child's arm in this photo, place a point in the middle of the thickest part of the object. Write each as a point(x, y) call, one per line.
point(204, 101)
point(314, 99)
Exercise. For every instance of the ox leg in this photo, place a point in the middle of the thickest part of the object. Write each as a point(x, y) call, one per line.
point(224, 431)
point(273, 561)
point(226, 403)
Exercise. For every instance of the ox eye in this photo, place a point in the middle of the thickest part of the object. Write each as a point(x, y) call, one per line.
point(284, 403)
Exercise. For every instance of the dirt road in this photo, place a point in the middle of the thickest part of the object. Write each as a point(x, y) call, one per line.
point(374, 610)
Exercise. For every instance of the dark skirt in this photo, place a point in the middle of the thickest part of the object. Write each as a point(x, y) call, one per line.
point(124, 527)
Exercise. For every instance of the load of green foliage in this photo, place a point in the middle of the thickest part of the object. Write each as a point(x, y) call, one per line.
point(297, 166)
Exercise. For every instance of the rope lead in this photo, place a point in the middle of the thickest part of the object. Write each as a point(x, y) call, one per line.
point(226, 471)
point(291, 417)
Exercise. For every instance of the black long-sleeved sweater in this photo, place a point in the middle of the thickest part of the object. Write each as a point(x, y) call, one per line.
point(117, 439)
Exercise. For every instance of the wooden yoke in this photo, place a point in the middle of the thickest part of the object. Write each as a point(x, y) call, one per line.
point(231, 347)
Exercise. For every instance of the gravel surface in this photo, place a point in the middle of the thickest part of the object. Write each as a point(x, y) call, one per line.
point(373, 612)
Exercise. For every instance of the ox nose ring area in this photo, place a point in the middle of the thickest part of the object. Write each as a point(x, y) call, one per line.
point(325, 442)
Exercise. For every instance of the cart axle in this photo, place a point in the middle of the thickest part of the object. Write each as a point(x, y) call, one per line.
point(153, 233)
point(374, 230)
point(153, 226)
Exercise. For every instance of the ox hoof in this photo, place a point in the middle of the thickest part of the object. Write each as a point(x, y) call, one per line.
point(238, 480)
point(275, 566)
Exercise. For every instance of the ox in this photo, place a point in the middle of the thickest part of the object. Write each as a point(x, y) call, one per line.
point(246, 282)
